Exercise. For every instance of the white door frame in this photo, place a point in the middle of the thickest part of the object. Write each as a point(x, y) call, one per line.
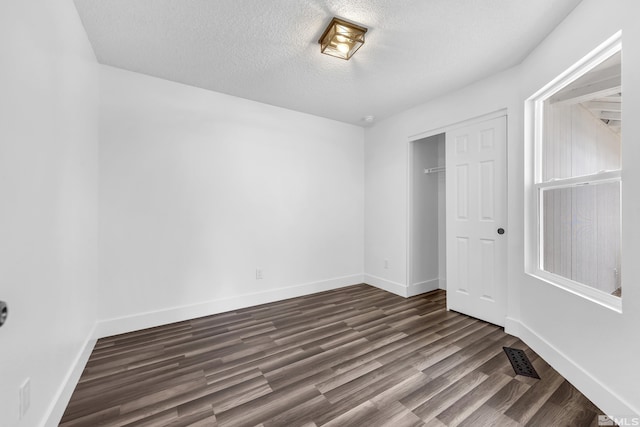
point(411, 144)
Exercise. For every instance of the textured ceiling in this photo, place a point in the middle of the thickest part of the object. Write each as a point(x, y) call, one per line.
point(267, 51)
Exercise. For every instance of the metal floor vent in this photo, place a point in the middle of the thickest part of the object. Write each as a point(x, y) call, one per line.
point(520, 362)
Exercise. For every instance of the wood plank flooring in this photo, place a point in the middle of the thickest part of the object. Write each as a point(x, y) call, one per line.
point(356, 356)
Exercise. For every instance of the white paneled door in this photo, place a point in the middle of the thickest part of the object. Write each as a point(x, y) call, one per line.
point(476, 176)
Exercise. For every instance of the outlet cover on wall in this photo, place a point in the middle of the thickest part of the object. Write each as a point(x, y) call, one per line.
point(25, 397)
point(386, 263)
point(258, 273)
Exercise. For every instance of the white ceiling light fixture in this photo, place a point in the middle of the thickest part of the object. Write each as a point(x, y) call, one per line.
point(341, 39)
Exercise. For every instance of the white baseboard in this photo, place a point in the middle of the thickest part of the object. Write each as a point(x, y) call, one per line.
point(386, 285)
point(442, 284)
point(59, 404)
point(512, 326)
point(120, 325)
point(422, 287)
point(592, 388)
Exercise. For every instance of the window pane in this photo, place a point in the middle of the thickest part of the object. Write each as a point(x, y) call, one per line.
point(581, 234)
point(582, 124)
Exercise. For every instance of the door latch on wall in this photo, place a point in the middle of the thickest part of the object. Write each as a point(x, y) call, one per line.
point(4, 312)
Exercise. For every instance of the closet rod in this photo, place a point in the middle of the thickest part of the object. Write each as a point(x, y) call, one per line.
point(435, 170)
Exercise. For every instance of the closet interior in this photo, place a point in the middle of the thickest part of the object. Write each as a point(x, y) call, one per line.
point(428, 250)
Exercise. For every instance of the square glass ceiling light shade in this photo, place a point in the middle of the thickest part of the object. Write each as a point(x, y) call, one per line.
point(341, 39)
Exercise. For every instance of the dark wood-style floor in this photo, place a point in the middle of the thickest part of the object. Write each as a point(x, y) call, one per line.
point(356, 356)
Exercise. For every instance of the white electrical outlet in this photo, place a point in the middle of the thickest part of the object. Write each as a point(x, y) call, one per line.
point(386, 263)
point(25, 397)
point(258, 273)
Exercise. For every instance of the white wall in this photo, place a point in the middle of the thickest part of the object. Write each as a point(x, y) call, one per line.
point(48, 220)
point(425, 274)
point(387, 169)
point(198, 189)
point(594, 347)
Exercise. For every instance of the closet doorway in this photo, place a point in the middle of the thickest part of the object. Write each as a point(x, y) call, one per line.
point(428, 226)
point(457, 217)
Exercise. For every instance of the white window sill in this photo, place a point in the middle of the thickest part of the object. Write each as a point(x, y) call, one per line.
point(594, 295)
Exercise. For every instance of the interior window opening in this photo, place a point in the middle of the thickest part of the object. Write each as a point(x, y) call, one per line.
point(578, 184)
